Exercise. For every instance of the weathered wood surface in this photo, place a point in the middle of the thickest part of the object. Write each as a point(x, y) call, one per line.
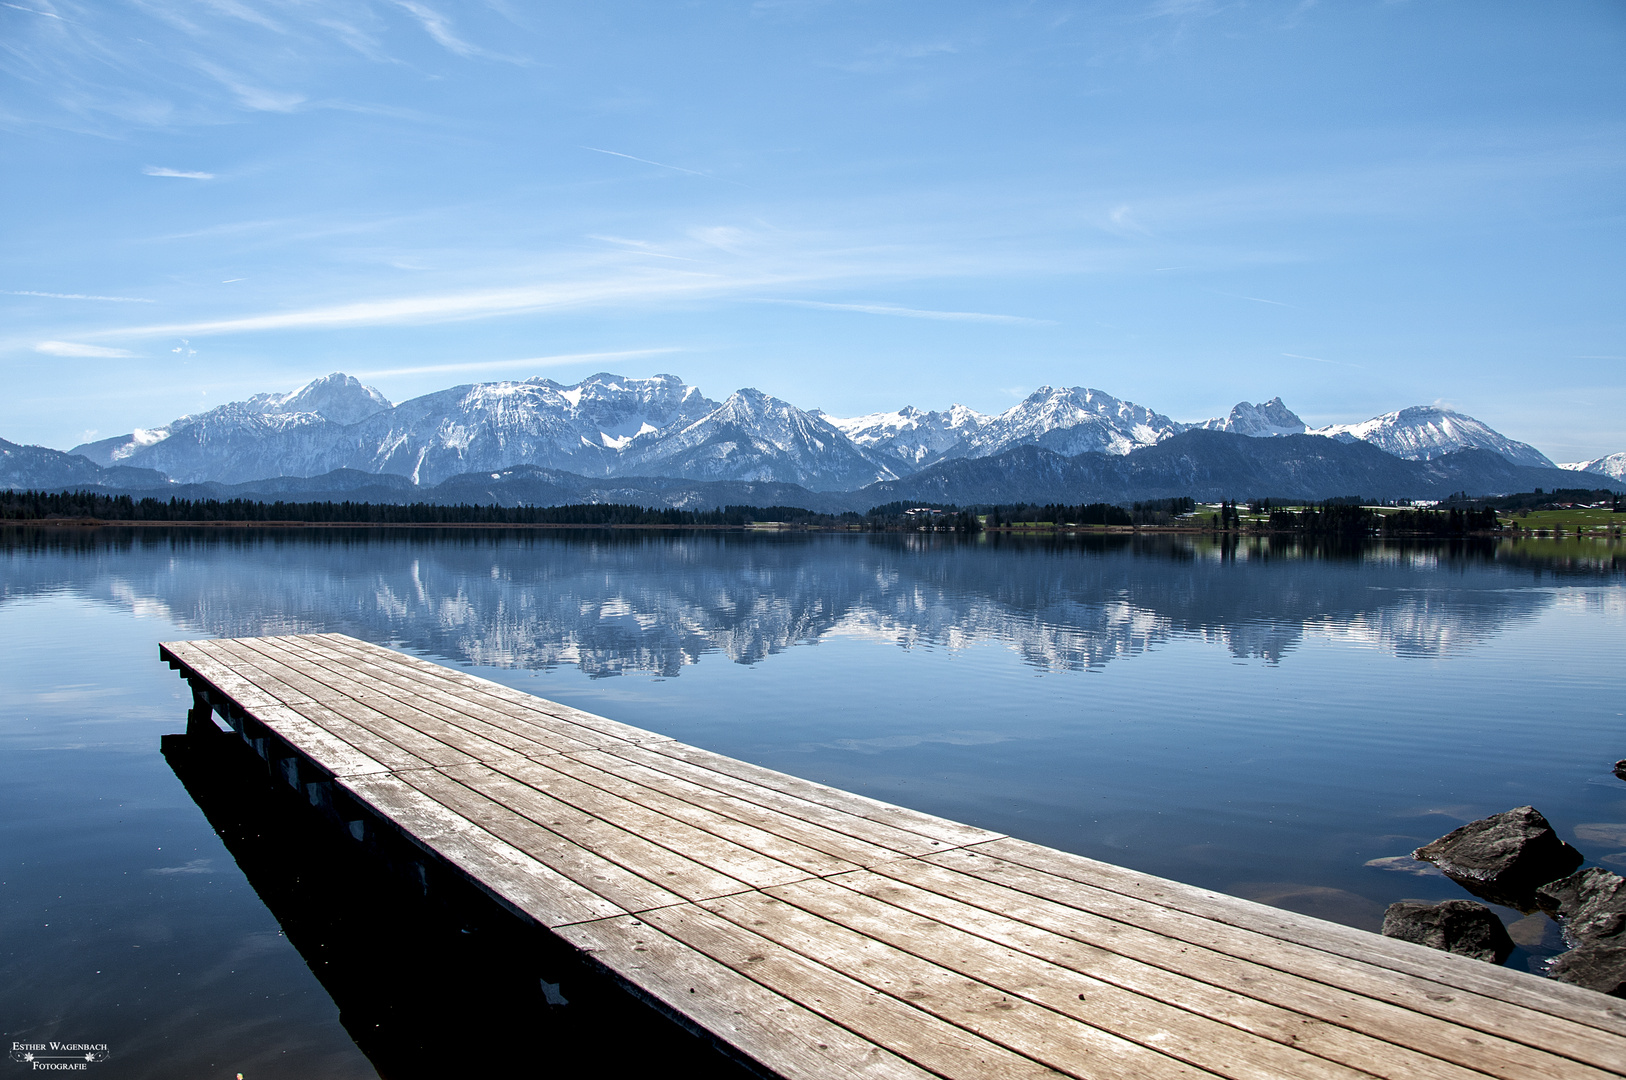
point(823, 934)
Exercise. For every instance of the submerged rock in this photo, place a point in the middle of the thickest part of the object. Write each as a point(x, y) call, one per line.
point(1503, 858)
point(1459, 926)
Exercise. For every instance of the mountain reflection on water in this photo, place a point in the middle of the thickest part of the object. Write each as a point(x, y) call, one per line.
point(615, 602)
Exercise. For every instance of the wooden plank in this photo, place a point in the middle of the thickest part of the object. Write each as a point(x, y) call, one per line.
point(940, 832)
point(492, 693)
point(782, 1035)
point(1515, 987)
point(883, 1019)
point(426, 736)
point(1037, 1033)
point(669, 869)
point(329, 751)
point(519, 734)
point(626, 890)
point(1332, 1023)
point(843, 846)
point(522, 729)
point(326, 751)
point(880, 833)
point(221, 653)
point(200, 665)
point(376, 735)
point(518, 880)
point(1143, 1015)
point(745, 833)
point(339, 747)
point(1484, 1016)
point(754, 867)
point(848, 849)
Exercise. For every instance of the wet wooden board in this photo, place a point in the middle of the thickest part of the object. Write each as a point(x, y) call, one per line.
point(820, 933)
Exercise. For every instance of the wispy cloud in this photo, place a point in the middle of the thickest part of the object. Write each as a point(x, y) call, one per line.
point(159, 170)
point(916, 313)
point(73, 348)
point(250, 96)
point(1319, 360)
point(439, 27)
point(646, 161)
point(640, 246)
point(33, 11)
point(504, 365)
point(1122, 220)
point(245, 13)
point(453, 306)
point(76, 296)
point(1255, 299)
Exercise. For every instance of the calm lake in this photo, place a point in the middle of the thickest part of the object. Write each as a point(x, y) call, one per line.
point(1267, 719)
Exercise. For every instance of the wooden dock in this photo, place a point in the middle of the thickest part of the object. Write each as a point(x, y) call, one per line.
point(813, 932)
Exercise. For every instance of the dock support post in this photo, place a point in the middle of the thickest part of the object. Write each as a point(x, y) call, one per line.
point(199, 718)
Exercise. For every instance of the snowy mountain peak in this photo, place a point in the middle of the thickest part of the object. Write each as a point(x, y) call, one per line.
point(1613, 466)
point(608, 425)
point(754, 436)
point(1264, 419)
point(911, 438)
point(1423, 432)
point(620, 409)
point(338, 397)
point(1074, 420)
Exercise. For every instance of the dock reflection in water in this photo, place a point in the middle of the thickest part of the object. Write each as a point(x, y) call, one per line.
point(444, 985)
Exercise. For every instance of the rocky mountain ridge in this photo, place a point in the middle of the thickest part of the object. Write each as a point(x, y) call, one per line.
point(611, 426)
point(1612, 466)
point(1207, 465)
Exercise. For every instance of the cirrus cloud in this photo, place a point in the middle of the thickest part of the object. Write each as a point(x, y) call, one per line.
point(74, 348)
point(159, 170)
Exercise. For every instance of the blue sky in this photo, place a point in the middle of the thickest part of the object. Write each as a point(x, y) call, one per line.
point(851, 205)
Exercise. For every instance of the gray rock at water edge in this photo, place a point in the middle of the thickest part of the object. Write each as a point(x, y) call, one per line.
point(1595, 965)
point(1459, 926)
point(1591, 904)
point(1620, 768)
point(1503, 858)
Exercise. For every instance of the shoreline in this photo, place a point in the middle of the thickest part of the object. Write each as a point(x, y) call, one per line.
point(759, 527)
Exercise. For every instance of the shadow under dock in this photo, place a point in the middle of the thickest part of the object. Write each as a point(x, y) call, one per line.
point(428, 986)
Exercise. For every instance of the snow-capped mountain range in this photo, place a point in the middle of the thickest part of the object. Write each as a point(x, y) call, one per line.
point(612, 426)
point(1613, 466)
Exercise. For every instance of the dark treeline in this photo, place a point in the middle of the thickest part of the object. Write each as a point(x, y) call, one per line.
point(1543, 500)
point(1341, 519)
point(935, 517)
point(1332, 517)
point(1009, 514)
point(41, 505)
